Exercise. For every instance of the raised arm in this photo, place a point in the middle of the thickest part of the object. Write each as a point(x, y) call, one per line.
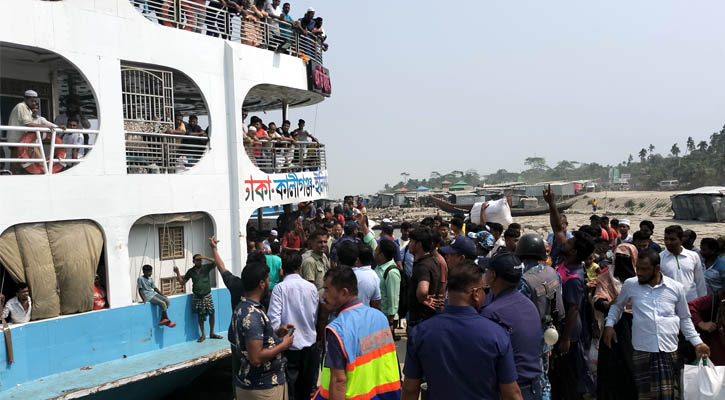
point(368, 235)
point(181, 280)
point(554, 217)
point(217, 258)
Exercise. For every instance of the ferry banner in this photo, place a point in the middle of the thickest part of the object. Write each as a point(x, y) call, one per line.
point(291, 186)
point(318, 78)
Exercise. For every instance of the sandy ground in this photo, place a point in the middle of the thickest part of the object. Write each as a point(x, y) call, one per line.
point(635, 206)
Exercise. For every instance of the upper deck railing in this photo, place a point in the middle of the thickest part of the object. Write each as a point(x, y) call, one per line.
point(281, 157)
point(268, 33)
point(29, 155)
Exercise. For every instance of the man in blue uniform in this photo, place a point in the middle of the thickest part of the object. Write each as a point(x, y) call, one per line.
point(506, 305)
point(461, 354)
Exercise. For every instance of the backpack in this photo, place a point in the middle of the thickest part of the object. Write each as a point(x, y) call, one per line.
point(403, 294)
point(546, 294)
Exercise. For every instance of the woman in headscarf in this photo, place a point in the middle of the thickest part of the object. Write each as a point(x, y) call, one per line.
point(615, 379)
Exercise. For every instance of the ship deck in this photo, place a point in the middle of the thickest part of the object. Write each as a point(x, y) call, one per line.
point(109, 375)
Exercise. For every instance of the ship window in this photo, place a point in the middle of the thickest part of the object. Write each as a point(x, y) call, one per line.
point(165, 242)
point(171, 286)
point(165, 120)
point(59, 95)
point(171, 242)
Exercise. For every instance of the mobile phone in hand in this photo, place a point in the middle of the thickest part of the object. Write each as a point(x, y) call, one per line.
point(291, 331)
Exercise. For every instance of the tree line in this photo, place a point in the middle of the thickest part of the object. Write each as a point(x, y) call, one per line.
point(701, 164)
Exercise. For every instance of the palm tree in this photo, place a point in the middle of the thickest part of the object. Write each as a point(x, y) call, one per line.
point(702, 146)
point(405, 176)
point(690, 144)
point(630, 159)
point(643, 155)
point(675, 150)
point(651, 149)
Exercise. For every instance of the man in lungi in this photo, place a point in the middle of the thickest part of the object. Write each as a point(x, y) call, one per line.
point(202, 303)
point(660, 310)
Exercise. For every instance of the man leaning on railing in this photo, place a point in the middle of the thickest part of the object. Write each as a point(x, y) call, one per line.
point(22, 115)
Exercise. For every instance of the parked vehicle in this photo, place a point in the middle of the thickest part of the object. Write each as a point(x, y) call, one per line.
point(672, 184)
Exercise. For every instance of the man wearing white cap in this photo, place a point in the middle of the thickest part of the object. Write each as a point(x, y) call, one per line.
point(22, 115)
point(624, 231)
point(273, 237)
point(308, 21)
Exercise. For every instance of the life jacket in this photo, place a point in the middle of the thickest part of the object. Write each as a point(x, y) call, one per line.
point(372, 364)
point(546, 289)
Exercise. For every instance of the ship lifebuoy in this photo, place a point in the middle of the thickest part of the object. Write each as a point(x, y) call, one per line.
point(187, 11)
point(37, 167)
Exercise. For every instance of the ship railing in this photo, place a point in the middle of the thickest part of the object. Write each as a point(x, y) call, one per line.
point(268, 33)
point(280, 157)
point(48, 135)
point(162, 153)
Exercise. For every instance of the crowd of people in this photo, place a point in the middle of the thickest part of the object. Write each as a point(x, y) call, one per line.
point(245, 20)
point(277, 149)
point(489, 311)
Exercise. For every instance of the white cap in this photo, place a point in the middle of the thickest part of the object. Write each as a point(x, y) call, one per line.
point(624, 222)
point(310, 9)
point(387, 220)
point(252, 129)
point(273, 232)
point(31, 93)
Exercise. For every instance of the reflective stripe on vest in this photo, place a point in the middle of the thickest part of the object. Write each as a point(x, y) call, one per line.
point(372, 364)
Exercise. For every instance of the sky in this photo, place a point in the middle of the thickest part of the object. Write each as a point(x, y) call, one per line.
point(421, 86)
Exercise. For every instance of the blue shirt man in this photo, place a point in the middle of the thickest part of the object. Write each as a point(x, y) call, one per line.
point(461, 354)
point(507, 306)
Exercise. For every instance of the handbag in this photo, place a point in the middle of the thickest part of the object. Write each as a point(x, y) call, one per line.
point(703, 381)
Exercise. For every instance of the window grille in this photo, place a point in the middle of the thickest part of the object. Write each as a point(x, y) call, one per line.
point(171, 286)
point(171, 242)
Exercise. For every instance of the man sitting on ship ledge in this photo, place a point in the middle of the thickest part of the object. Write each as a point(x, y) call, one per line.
point(19, 307)
point(202, 303)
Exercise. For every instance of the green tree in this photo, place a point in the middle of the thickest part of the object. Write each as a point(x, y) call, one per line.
point(642, 155)
point(630, 159)
point(675, 150)
point(690, 144)
point(651, 149)
point(702, 146)
point(538, 163)
point(406, 177)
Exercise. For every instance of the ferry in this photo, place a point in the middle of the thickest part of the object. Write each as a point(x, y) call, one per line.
point(87, 214)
